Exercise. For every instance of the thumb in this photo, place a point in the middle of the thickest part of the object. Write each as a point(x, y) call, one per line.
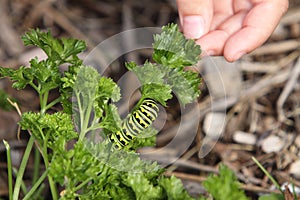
point(195, 17)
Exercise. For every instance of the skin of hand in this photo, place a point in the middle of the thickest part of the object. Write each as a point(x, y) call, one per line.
point(230, 28)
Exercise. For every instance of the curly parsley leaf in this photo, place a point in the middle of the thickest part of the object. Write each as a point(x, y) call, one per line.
point(111, 121)
point(224, 186)
point(172, 52)
point(185, 85)
point(107, 90)
point(174, 189)
point(160, 93)
point(148, 73)
point(52, 130)
point(21, 77)
point(142, 187)
point(59, 51)
point(103, 172)
point(172, 49)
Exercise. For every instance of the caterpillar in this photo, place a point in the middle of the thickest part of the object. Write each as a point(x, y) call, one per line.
point(136, 122)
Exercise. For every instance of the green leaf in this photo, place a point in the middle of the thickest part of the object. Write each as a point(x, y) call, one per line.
point(152, 79)
point(185, 85)
point(272, 196)
point(47, 74)
point(107, 172)
point(172, 49)
point(174, 189)
point(54, 130)
point(172, 52)
point(142, 187)
point(107, 90)
point(111, 122)
point(159, 93)
point(85, 89)
point(148, 73)
point(225, 186)
point(59, 51)
point(21, 77)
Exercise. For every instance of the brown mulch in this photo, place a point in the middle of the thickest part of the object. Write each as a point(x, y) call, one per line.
point(262, 99)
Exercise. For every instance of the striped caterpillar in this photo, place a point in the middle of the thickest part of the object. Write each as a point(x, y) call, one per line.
point(136, 122)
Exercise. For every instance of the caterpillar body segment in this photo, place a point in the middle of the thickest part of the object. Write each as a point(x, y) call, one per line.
point(136, 122)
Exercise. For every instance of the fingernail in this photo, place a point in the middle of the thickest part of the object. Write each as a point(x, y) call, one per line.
point(238, 55)
point(193, 26)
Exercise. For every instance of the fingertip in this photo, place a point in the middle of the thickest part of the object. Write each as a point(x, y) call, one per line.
point(193, 26)
point(234, 57)
point(243, 42)
point(195, 17)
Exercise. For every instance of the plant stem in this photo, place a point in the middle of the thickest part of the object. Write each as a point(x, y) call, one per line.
point(36, 185)
point(9, 169)
point(43, 102)
point(268, 174)
point(35, 87)
point(52, 188)
point(37, 159)
point(82, 184)
point(50, 180)
point(85, 125)
point(22, 168)
point(52, 103)
point(23, 186)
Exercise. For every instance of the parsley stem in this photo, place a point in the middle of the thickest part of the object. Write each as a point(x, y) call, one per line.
point(9, 169)
point(37, 89)
point(37, 159)
point(43, 102)
point(36, 185)
point(82, 184)
point(86, 118)
point(22, 168)
point(52, 103)
point(50, 179)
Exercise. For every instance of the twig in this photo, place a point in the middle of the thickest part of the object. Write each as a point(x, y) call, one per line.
point(292, 16)
point(201, 179)
point(166, 158)
point(293, 77)
point(271, 67)
point(277, 47)
point(15, 105)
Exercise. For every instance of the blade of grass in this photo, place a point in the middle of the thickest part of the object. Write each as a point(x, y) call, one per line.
point(267, 174)
point(9, 169)
point(23, 186)
point(22, 168)
point(36, 185)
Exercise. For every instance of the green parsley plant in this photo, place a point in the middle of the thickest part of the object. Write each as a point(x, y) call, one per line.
point(75, 167)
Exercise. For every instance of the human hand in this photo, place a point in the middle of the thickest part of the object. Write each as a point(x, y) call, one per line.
point(230, 28)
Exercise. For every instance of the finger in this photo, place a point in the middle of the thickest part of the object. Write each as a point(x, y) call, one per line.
point(222, 10)
point(213, 42)
point(257, 27)
point(241, 5)
point(195, 17)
